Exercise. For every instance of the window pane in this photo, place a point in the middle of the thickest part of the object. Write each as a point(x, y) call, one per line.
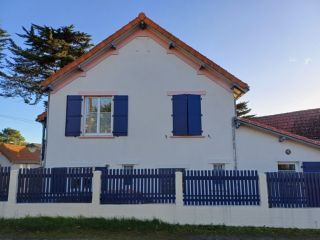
point(105, 122)
point(105, 104)
point(286, 167)
point(91, 104)
point(91, 123)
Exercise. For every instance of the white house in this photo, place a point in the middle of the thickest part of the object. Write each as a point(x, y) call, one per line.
point(17, 156)
point(143, 98)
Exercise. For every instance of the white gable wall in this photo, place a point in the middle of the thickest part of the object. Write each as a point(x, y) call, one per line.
point(260, 150)
point(4, 162)
point(144, 71)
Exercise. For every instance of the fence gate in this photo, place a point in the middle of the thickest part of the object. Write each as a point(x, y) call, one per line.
point(293, 190)
point(137, 186)
point(4, 183)
point(215, 187)
point(48, 185)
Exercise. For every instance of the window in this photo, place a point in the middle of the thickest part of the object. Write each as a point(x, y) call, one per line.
point(97, 115)
point(219, 166)
point(287, 167)
point(186, 114)
point(128, 166)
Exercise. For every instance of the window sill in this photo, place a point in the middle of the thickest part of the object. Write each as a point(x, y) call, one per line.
point(200, 136)
point(96, 137)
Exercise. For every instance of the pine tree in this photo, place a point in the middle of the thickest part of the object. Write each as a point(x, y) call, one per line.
point(13, 136)
point(46, 50)
point(242, 110)
point(4, 38)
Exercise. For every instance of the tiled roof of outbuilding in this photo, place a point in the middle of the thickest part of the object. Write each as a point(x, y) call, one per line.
point(305, 123)
point(19, 154)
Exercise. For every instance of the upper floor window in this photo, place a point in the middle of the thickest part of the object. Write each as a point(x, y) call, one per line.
point(186, 114)
point(97, 115)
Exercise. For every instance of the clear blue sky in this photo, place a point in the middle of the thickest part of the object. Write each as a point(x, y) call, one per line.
point(272, 45)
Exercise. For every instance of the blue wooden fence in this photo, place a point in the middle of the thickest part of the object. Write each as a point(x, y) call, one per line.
point(4, 183)
point(137, 186)
point(212, 187)
point(55, 185)
point(293, 190)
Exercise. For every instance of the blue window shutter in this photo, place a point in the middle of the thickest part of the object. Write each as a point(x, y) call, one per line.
point(120, 115)
point(73, 115)
point(194, 115)
point(311, 166)
point(180, 115)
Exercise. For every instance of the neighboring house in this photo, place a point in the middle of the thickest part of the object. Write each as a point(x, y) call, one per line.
point(264, 147)
point(17, 156)
point(143, 98)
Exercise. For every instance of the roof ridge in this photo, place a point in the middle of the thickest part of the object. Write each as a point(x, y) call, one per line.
point(297, 111)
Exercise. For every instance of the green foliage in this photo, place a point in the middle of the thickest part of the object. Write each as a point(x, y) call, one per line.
point(46, 50)
point(4, 38)
point(242, 110)
point(10, 135)
point(100, 227)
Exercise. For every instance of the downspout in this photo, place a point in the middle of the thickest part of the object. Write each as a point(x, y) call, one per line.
point(234, 145)
point(45, 129)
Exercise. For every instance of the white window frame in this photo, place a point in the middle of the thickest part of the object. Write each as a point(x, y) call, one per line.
point(83, 127)
point(296, 166)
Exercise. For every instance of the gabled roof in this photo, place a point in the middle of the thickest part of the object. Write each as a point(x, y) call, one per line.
point(20, 154)
point(304, 123)
point(279, 132)
point(147, 23)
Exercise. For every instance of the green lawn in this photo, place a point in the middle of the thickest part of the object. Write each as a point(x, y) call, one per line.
point(99, 228)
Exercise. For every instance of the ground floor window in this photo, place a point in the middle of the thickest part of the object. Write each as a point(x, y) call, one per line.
point(285, 166)
point(219, 166)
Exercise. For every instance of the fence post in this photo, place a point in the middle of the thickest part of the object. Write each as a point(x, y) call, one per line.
point(96, 187)
point(13, 186)
point(179, 188)
point(263, 185)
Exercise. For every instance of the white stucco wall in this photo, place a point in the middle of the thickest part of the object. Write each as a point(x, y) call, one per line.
point(4, 161)
point(144, 71)
point(262, 151)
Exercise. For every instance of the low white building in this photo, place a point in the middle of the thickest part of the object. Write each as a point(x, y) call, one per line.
point(143, 98)
point(17, 156)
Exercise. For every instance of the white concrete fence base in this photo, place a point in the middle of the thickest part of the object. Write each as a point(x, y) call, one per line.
point(258, 216)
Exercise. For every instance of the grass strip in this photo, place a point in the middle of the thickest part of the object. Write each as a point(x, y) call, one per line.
point(99, 226)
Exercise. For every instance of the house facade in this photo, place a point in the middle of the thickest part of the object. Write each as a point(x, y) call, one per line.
point(144, 99)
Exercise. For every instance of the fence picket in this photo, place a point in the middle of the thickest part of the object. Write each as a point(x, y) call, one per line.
point(220, 187)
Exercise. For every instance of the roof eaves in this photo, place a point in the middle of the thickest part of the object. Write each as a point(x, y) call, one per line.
point(142, 17)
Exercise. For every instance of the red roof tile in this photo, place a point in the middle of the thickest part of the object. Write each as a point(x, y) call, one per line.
point(304, 123)
point(19, 154)
point(259, 125)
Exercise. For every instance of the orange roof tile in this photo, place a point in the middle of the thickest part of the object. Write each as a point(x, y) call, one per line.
point(19, 154)
point(142, 17)
point(41, 117)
